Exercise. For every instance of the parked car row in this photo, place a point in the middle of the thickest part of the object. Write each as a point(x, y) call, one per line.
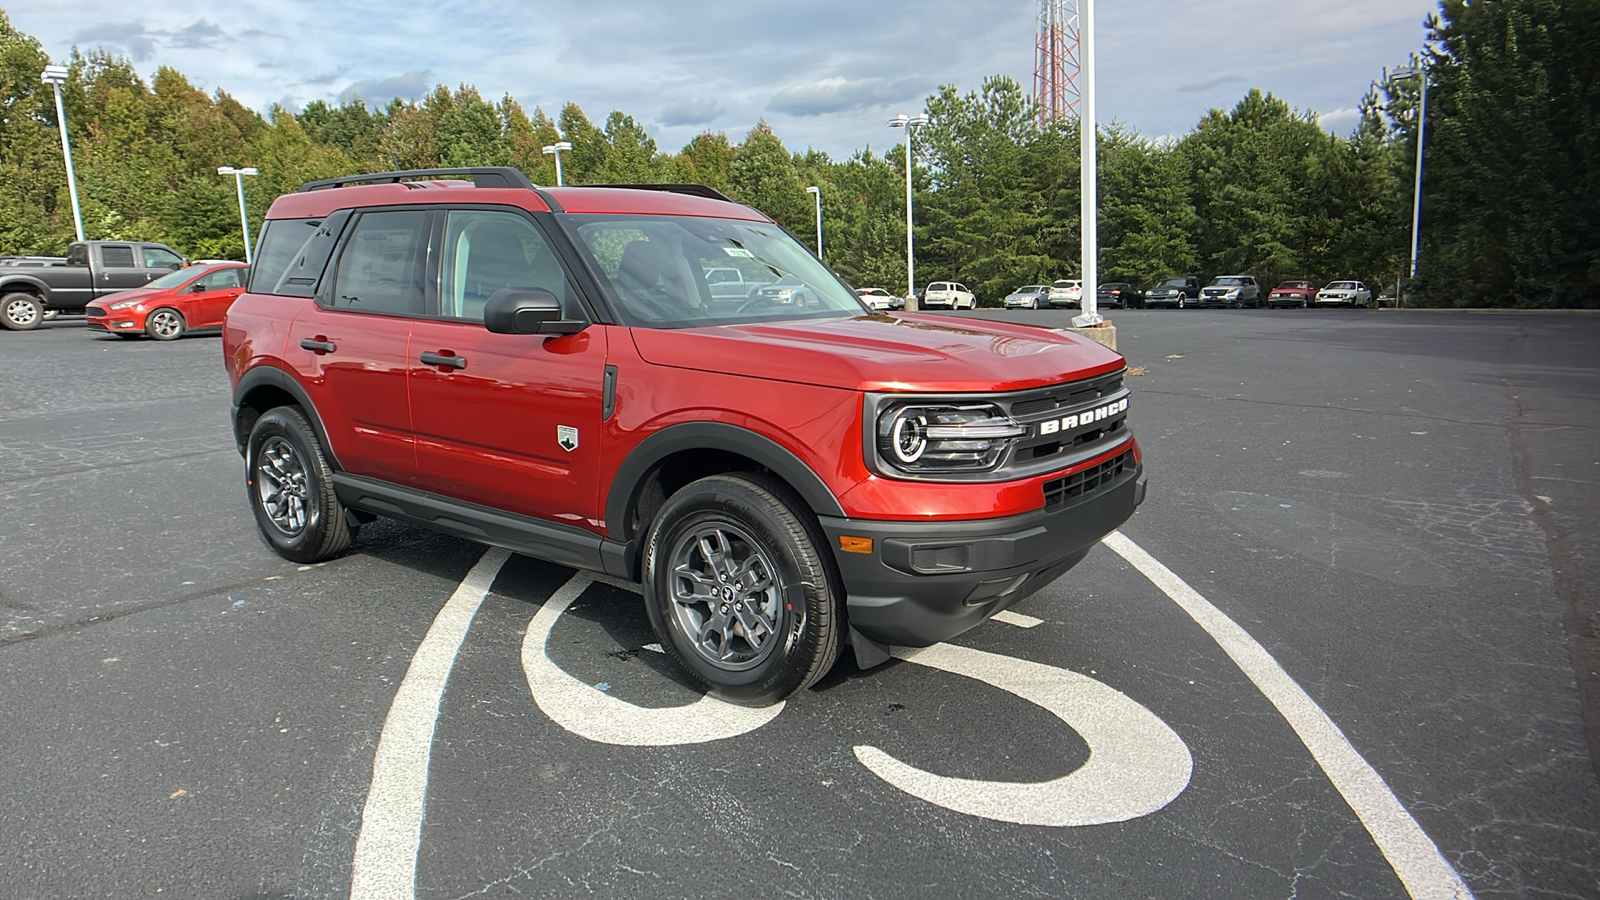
point(1183, 291)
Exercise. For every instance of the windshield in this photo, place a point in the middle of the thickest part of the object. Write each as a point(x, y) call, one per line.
point(173, 279)
point(1175, 282)
point(1342, 286)
point(657, 268)
point(1067, 284)
point(1228, 281)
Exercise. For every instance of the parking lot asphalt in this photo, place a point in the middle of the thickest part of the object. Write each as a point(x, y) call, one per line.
point(1400, 509)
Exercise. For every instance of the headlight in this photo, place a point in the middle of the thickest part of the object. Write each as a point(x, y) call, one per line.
point(1233, 292)
point(944, 437)
point(124, 304)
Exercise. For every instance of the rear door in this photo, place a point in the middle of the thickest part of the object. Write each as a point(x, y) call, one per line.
point(119, 269)
point(510, 421)
point(350, 348)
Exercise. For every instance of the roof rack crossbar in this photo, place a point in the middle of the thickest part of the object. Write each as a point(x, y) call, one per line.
point(482, 176)
point(695, 190)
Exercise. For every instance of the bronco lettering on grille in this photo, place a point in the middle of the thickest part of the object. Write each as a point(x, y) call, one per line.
point(1084, 418)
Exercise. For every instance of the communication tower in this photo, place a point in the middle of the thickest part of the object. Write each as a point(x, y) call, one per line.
point(1056, 67)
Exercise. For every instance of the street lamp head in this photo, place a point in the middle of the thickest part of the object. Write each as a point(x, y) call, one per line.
point(1408, 71)
point(899, 121)
point(558, 145)
point(814, 190)
point(56, 75)
point(249, 170)
point(919, 120)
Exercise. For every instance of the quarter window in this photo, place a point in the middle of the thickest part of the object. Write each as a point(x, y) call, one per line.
point(380, 269)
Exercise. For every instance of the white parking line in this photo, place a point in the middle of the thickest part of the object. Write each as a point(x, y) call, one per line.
point(391, 824)
point(1017, 619)
point(1412, 854)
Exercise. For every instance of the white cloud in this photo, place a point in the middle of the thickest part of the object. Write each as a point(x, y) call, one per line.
point(1339, 121)
point(819, 72)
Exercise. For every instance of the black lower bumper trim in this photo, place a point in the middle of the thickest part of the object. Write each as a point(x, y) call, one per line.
point(926, 582)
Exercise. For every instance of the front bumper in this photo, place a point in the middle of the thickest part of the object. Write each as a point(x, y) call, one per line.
point(926, 582)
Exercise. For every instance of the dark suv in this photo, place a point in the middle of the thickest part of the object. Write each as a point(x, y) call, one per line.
point(545, 370)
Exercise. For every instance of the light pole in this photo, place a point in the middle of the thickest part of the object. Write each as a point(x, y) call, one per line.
point(1416, 192)
point(817, 192)
point(244, 218)
point(556, 149)
point(910, 124)
point(1088, 136)
point(56, 76)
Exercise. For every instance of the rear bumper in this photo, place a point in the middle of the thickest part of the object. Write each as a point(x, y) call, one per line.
point(926, 582)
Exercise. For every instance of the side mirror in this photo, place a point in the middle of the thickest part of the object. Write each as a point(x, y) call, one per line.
point(197, 288)
point(527, 310)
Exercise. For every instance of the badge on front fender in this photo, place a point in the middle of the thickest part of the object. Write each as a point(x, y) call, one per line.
point(567, 437)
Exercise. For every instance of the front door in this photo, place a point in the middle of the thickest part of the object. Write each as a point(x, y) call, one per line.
point(509, 421)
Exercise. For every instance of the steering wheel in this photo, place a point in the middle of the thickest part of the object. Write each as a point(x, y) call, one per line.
point(754, 303)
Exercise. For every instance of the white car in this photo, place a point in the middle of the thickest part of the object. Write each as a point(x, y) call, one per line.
point(1029, 296)
point(948, 295)
point(1345, 293)
point(1068, 292)
point(879, 299)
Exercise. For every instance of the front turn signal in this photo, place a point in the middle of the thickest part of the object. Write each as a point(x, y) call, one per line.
point(850, 544)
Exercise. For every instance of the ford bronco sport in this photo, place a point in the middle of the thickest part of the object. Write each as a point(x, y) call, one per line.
point(545, 370)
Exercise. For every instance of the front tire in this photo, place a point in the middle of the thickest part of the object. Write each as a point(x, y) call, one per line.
point(21, 312)
point(165, 324)
point(739, 590)
point(291, 489)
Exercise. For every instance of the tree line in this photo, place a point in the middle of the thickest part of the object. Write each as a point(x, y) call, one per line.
point(1511, 192)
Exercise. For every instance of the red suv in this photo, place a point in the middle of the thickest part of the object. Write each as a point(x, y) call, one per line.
point(547, 370)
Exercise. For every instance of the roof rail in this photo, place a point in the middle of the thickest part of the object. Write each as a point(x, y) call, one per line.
point(696, 190)
point(482, 176)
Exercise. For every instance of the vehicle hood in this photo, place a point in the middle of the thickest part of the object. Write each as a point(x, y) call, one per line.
point(884, 353)
point(133, 294)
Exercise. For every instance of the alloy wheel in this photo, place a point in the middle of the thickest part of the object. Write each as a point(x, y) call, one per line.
point(165, 323)
point(22, 313)
point(725, 596)
point(281, 485)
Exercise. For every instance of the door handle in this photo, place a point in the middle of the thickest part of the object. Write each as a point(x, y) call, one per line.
point(318, 345)
point(444, 360)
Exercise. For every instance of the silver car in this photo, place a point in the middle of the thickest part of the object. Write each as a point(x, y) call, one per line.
point(1029, 296)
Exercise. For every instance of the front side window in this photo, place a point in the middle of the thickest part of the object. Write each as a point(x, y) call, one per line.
point(221, 279)
point(487, 250)
point(78, 255)
point(380, 268)
point(160, 258)
point(171, 280)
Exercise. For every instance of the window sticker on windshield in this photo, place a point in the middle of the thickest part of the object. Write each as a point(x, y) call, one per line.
point(738, 251)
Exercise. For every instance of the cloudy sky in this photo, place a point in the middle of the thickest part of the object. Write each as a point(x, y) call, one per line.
point(824, 73)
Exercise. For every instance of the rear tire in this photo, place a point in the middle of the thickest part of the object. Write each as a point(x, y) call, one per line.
point(291, 489)
point(21, 312)
point(739, 590)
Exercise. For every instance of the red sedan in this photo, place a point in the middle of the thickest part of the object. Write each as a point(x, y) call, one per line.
point(173, 305)
point(1292, 293)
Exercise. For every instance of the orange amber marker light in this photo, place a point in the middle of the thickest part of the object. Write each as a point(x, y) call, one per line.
point(855, 544)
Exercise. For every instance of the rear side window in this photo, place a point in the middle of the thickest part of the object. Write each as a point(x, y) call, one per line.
point(222, 279)
point(380, 267)
point(292, 253)
point(116, 257)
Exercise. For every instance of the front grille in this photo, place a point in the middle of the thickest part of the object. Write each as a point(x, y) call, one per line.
point(1078, 484)
point(1067, 395)
point(95, 313)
